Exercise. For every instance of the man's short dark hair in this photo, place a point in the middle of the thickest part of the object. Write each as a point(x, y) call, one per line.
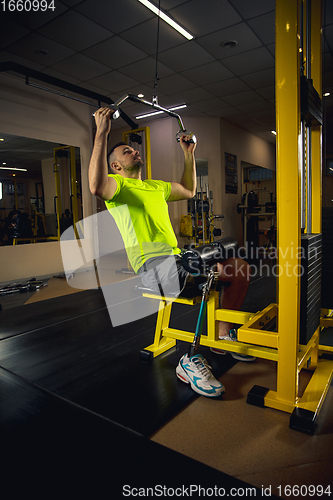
point(121, 143)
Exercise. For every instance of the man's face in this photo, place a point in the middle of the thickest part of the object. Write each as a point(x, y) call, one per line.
point(128, 158)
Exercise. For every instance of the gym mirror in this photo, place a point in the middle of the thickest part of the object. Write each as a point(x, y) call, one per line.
point(40, 189)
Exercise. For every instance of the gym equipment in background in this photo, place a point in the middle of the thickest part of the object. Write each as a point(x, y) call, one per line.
point(27, 286)
point(199, 223)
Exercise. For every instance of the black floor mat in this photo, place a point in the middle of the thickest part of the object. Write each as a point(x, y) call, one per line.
point(69, 347)
point(51, 448)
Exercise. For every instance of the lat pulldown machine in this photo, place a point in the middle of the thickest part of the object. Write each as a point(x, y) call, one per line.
point(296, 343)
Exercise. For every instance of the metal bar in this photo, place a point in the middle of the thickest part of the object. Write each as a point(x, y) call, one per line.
point(309, 179)
point(308, 351)
point(258, 337)
point(73, 189)
point(231, 316)
point(315, 393)
point(224, 345)
point(202, 213)
point(179, 300)
point(308, 39)
point(301, 42)
point(325, 348)
point(6, 67)
point(326, 322)
point(316, 72)
point(58, 207)
point(196, 229)
point(56, 92)
point(302, 174)
point(135, 98)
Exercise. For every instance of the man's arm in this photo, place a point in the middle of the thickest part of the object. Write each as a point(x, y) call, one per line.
point(99, 183)
point(187, 187)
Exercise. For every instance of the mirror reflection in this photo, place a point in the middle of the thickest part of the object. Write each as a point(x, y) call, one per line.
point(40, 189)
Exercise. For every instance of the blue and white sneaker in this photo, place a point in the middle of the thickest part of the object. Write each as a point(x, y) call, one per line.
point(233, 337)
point(242, 357)
point(196, 371)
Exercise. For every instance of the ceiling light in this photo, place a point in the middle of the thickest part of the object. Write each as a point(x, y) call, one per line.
point(166, 18)
point(41, 52)
point(229, 44)
point(141, 95)
point(149, 114)
point(12, 168)
point(327, 94)
point(273, 132)
point(4, 163)
point(2, 139)
point(181, 106)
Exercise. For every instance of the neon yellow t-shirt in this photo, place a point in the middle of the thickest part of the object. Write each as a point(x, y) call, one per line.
point(141, 214)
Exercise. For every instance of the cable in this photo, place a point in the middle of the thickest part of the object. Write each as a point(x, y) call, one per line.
point(155, 98)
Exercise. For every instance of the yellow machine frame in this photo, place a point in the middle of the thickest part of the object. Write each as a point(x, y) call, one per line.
point(253, 339)
point(73, 187)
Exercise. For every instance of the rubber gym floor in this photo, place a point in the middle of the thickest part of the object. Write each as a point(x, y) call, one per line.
point(82, 416)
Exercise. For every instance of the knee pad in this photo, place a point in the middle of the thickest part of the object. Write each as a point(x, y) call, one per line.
point(198, 261)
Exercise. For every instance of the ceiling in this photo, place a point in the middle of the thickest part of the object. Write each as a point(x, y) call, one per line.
point(109, 46)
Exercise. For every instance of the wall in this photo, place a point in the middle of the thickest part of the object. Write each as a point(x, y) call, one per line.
point(207, 132)
point(215, 137)
point(327, 184)
point(32, 113)
point(53, 118)
point(249, 148)
point(26, 264)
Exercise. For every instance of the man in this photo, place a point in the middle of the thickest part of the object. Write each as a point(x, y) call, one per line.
point(141, 213)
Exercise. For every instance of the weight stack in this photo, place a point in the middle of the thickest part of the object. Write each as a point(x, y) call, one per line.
point(327, 262)
point(310, 286)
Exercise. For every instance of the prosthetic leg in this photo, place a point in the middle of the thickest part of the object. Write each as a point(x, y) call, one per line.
point(211, 279)
point(193, 369)
point(201, 261)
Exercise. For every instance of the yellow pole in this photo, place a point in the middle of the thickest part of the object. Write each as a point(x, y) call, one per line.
point(58, 189)
point(288, 194)
point(74, 190)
